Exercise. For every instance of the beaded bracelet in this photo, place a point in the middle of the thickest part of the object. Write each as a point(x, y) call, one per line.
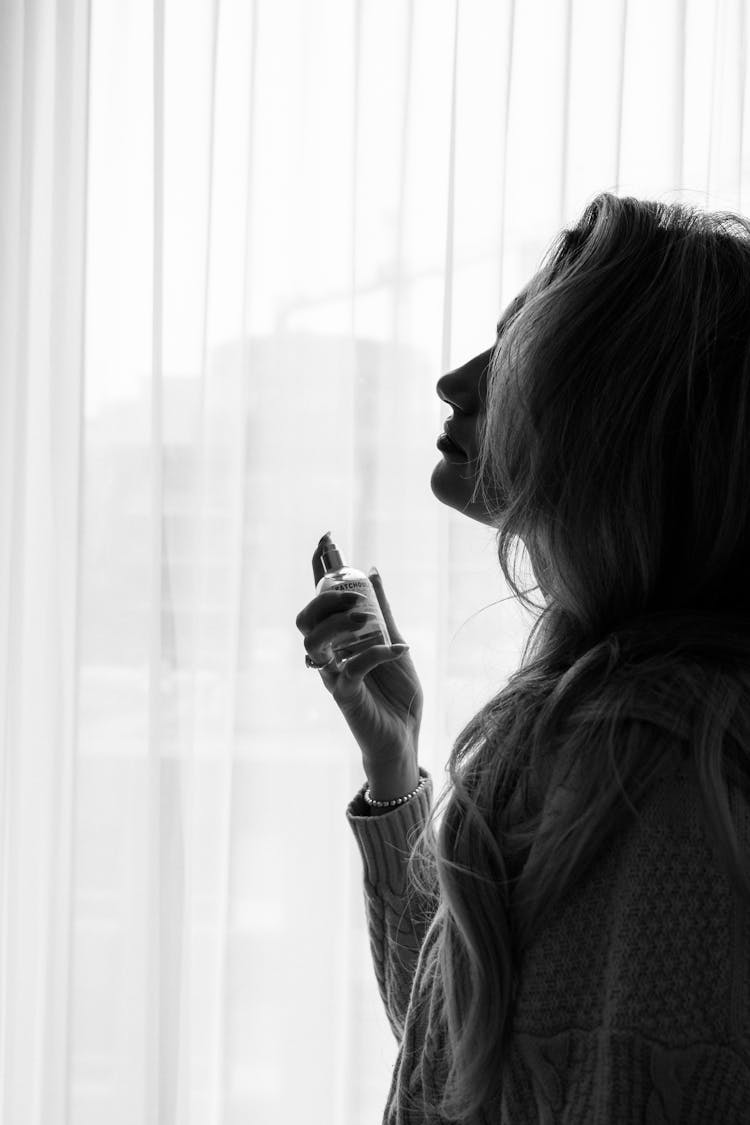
point(365, 790)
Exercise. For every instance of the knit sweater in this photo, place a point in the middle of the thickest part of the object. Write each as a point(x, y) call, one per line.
point(633, 1002)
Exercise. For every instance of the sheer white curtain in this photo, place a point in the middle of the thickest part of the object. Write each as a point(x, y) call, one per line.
point(239, 243)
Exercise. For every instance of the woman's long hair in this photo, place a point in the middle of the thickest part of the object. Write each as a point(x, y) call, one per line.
point(616, 448)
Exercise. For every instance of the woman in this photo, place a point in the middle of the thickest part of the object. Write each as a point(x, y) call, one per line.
point(573, 945)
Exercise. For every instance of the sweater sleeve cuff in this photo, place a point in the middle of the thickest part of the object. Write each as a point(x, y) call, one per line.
point(385, 840)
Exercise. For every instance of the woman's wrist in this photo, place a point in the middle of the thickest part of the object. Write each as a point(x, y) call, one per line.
point(391, 781)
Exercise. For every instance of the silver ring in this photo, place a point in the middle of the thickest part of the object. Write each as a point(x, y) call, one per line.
point(310, 663)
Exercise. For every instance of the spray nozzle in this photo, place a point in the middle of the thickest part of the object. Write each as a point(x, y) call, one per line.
point(330, 556)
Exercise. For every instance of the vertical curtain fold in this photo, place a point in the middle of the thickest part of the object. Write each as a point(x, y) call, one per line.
point(43, 173)
point(156, 1093)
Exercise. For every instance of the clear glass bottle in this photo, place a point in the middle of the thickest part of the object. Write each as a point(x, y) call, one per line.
point(338, 576)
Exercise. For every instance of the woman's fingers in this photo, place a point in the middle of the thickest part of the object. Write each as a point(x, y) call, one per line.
point(393, 629)
point(352, 671)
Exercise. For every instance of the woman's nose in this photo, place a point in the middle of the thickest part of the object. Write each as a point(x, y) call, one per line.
point(464, 388)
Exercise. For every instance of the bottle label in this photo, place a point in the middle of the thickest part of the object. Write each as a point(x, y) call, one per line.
point(364, 635)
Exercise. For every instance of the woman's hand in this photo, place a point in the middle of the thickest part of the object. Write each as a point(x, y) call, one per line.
point(377, 691)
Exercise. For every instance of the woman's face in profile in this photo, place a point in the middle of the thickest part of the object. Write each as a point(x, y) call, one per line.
point(465, 389)
point(452, 481)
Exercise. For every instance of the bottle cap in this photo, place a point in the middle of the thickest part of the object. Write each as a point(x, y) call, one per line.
point(330, 556)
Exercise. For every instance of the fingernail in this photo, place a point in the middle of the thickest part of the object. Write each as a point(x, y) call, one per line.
point(400, 648)
point(373, 572)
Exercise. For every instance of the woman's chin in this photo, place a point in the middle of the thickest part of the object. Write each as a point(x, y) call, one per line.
point(447, 483)
point(453, 488)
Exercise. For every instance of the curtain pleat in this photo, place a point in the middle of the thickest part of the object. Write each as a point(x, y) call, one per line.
point(154, 1099)
point(239, 245)
point(44, 97)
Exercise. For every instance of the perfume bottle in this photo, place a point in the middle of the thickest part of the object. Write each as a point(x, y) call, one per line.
point(338, 576)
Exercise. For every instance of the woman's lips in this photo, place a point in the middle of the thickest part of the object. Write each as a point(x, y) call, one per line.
point(448, 430)
point(449, 449)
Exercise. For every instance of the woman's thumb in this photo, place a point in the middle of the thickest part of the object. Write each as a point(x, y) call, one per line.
point(377, 583)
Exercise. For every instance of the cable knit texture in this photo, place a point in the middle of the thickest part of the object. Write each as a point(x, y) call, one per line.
point(633, 1003)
